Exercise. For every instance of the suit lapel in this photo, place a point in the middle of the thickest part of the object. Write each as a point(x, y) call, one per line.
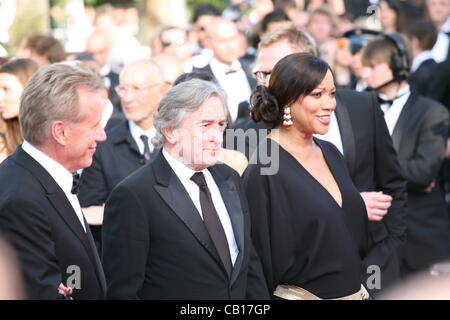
point(121, 133)
point(232, 202)
point(176, 197)
point(247, 70)
point(60, 202)
point(96, 258)
point(402, 122)
point(347, 135)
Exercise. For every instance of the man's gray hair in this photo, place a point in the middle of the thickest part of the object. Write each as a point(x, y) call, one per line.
point(181, 99)
point(51, 95)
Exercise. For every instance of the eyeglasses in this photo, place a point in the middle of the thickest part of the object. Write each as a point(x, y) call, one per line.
point(261, 76)
point(178, 42)
point(136, 90)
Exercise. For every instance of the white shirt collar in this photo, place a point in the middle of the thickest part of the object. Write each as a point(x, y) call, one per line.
point(183, 172)
point(60, 174)
point(137, 132)
point(446, 26)
point(392, 113)
point(105, 70)
point(420, 58)
point(219, 68)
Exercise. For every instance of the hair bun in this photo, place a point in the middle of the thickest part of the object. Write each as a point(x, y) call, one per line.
point(264, 107)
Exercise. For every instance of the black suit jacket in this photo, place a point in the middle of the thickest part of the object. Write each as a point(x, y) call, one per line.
point(155, 244)
point(420, 137)
point(373, 166)
point(113, 79)
point(114, 160)
point(440, 86)
point(420, 79)
point(39, 221)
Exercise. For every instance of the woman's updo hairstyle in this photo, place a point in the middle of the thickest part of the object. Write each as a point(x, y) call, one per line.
point(294, 76)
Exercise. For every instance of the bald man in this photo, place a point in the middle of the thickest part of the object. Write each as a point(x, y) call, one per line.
point(232, 73)
point(128, 146)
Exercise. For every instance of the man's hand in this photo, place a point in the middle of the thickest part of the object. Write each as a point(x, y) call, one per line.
point(427, 189)
point(377, 204)
point(66, 291)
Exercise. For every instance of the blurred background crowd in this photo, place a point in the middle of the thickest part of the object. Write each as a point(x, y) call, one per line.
point(179, 36)
point(216, 36)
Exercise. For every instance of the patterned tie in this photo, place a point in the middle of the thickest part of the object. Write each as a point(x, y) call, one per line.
point(144, 139)
point(212, 222)
point(75, 183)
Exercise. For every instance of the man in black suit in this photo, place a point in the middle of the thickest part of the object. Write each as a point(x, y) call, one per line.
point(233, 74)
point(422, 36)
point(129, 142)
point(419, 129)
point(179, 228)
point(40, 216)
point(359, 132)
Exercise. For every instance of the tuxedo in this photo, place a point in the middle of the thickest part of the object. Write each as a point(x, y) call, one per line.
point(156, 246)
point(419, 137)
point(373, 166)
point(237, 89)
point(38, 220)
point(246, 66)
point(421, 78)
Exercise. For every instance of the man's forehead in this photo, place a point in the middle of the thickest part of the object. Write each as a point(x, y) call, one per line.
point(211, 109)
point(270, 55)
point(139, 73)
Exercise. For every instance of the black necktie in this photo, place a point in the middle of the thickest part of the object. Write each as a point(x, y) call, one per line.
point(144, 139)
point(75, 183)
point(212, 221)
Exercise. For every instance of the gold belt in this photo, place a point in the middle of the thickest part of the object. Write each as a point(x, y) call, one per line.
point(296, 293)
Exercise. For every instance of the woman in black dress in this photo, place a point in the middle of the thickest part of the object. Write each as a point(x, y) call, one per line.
point(309, 223)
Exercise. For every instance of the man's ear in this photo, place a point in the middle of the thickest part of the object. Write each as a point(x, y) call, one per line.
point(171, 134)
point(59, 132)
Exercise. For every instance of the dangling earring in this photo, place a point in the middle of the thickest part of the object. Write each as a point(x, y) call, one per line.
point(287, 117)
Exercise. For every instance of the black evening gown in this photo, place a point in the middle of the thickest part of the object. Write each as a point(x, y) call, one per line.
point(302, 235)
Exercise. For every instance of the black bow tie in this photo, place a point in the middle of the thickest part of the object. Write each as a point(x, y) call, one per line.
point(231, 71)
point(75, 183)
point(383, 101)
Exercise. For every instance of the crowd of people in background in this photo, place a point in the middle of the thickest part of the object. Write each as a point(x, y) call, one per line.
point(354, 95)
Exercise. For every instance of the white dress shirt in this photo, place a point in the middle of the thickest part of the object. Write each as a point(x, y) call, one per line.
point(184, 174)
point(137, 132)
point(60, 174)
point(440, 48)
point(392, 113)
point(235, 84)
point(421, 58)
point(334, 134)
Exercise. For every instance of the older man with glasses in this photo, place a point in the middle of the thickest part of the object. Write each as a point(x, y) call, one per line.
point(128, 146)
